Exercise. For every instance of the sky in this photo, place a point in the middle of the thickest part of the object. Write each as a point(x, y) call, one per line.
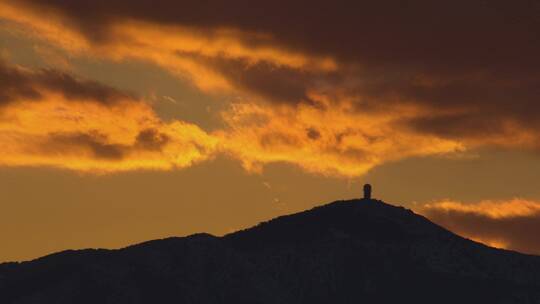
point(123, 121)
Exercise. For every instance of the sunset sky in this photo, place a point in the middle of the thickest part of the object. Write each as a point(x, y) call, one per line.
point(123, 121)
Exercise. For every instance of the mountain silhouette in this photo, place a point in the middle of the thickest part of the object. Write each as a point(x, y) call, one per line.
point(356, 251)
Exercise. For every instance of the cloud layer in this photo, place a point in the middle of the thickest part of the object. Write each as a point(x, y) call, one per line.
point(336, 88)
point(51, 118)
point(509, 224)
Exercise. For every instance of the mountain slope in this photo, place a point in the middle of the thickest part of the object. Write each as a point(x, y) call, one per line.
point(343, 252)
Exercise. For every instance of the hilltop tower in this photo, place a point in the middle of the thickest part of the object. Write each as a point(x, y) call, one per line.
point(367, 191)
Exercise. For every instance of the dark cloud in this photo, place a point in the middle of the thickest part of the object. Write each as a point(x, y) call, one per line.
point(313, 133)
point(458, 126)
point(447, 36)
point(278, 140)
point(95, 143)
point(14, 84)
point(99, 146)
point(460, 108)
point(519, 233)
point(279, 84)
point(151, 139)
point(19, 84)
point(73, 88)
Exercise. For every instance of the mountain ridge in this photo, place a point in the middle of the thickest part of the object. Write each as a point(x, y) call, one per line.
point(345, 251)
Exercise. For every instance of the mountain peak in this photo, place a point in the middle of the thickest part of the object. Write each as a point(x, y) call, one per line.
point(363, 219)
point(343, 252)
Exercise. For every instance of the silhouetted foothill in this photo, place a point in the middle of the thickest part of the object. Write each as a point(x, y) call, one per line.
point(343, 252)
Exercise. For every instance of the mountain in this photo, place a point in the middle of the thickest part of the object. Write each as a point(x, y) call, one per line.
point(356, 251)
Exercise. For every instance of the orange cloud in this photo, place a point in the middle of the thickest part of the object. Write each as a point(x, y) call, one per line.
point(60, 121)
point(325, 139)
point(508, 224)
point(492, 209)
point(317, 102)
point(176, 48)
point(486, 98)
point(332, 140)
point(48, 118)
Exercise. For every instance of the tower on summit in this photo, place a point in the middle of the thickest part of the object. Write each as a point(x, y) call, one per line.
point(367, 191)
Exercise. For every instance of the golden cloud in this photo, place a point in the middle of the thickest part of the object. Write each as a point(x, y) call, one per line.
point(326, 139)
point(175, 48)
point(49, 118)
point(332, 140)
point(485, 98)
point(511, 224)
point(324, 108)
point(492, 209)
point(60, 121)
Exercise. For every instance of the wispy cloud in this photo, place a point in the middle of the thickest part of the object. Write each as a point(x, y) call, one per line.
point(511, 224)
point(49, 118)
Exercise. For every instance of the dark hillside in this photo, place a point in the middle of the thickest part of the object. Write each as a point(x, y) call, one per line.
point(343, 252)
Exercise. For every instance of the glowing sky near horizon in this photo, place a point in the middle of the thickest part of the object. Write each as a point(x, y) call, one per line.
point(122, 121)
